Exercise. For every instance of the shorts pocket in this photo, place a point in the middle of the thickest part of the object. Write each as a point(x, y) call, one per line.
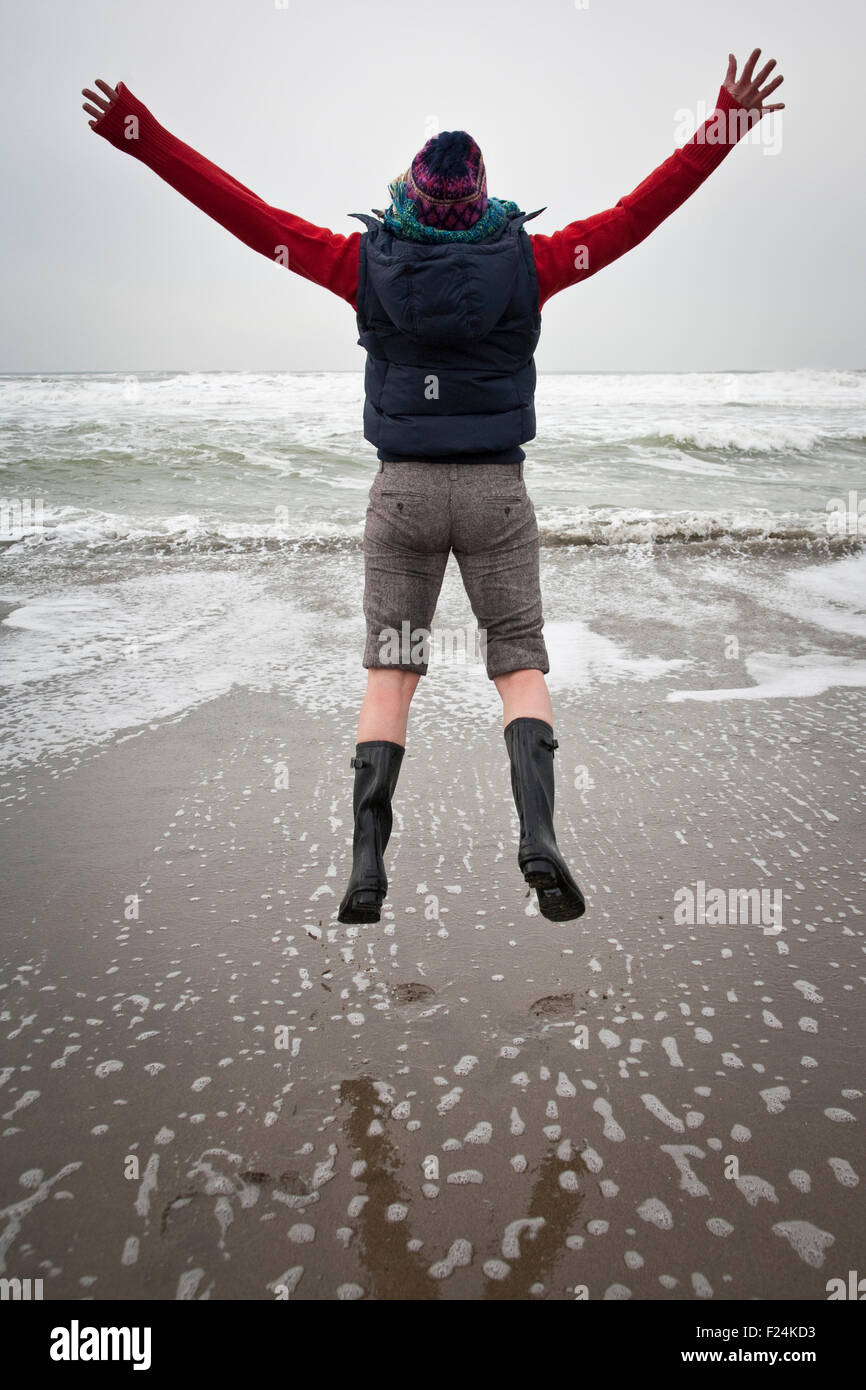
point(402, 513)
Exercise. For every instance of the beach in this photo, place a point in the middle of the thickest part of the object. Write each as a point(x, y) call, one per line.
point(210, 1089)
point(413, 1110)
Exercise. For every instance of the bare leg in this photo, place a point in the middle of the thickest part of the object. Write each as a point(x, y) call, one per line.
point(385, 707)
point(524, 696)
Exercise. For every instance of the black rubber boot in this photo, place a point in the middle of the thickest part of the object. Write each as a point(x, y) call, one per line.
point(377, 767)
point(530, 744)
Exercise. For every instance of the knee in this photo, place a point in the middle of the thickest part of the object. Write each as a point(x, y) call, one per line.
point(408, 684)
point(510, 680)
point(391, 683)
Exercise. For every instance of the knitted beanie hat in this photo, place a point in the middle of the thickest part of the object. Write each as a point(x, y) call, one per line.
point(448, 182)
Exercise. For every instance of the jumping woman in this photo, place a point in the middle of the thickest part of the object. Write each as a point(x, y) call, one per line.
point(448, 288)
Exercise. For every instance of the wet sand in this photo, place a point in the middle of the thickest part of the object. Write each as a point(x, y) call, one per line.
point(210, 1089)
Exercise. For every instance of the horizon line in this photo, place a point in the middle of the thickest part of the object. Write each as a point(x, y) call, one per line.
point(354, 371)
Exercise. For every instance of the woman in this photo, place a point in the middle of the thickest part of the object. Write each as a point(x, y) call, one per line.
point(448, 289)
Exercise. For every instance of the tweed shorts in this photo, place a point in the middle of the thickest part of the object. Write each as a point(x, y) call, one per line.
point(418, 513)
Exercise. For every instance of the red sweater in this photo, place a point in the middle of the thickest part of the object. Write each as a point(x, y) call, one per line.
point(330, 259)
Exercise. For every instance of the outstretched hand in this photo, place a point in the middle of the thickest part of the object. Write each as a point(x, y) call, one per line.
point(746, 89)
point(102, 102)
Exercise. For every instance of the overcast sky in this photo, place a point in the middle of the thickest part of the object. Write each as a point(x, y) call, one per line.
point(317, 104)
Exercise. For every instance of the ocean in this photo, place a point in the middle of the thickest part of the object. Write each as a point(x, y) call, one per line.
point(168, 536)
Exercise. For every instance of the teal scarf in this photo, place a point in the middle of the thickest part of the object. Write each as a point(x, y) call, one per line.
point(402, 218)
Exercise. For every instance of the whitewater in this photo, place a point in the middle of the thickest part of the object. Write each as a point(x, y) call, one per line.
point(167, 536)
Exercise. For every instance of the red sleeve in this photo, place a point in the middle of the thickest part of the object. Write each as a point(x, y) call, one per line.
point(586, 246)
point(327, 258)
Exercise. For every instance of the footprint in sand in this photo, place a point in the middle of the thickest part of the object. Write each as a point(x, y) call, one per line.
point(553, 1006)
point(411, 992)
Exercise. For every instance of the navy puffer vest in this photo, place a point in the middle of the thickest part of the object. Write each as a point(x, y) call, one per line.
point(450, 329)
